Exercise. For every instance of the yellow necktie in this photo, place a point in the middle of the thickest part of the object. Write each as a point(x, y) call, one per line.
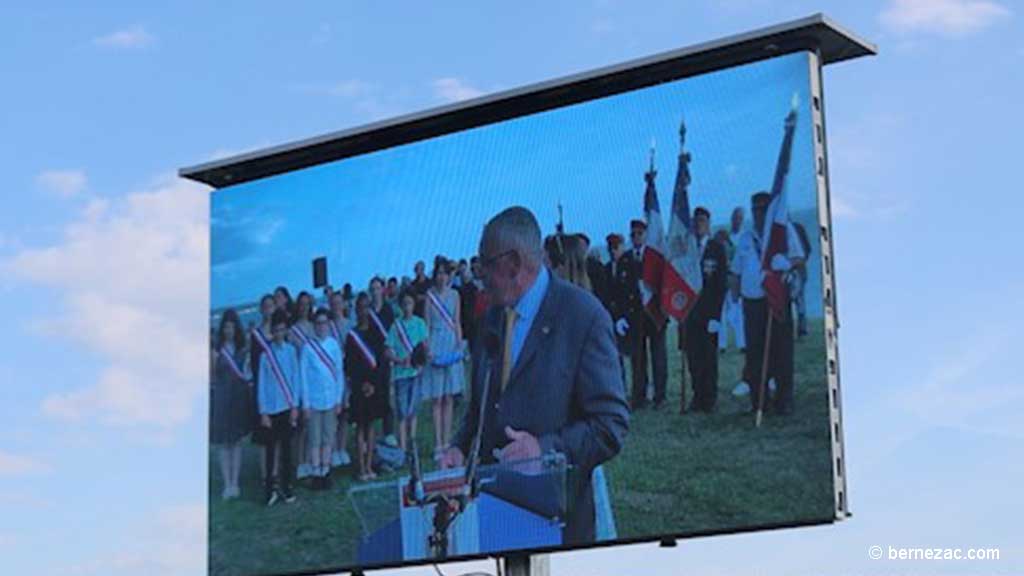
point(506, 353)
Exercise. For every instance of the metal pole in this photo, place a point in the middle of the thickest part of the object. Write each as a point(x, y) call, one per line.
point(526, 565)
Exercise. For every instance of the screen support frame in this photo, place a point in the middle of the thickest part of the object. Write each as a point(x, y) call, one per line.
point(527, 565)
point(826, 254)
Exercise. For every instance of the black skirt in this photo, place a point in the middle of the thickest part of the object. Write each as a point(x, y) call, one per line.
point(231, 408)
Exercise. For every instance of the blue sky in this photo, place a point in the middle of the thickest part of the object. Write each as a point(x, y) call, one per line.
point(104, 255)
point(380, 213)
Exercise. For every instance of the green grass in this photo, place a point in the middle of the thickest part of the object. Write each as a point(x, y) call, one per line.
point(676, 474)
point(696, 472)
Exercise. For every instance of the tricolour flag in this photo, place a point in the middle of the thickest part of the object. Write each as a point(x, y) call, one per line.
point(776, 222)
point(682, 281)
point(654, 254)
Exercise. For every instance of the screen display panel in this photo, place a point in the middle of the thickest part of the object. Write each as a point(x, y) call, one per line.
point(597, 324)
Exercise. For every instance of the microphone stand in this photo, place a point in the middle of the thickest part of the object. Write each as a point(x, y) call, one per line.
point(447, 508)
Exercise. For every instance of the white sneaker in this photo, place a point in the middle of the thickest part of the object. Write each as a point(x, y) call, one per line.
point(335, 459)
point(390, 440)
point(304, 471)
point(225, 495)
point(741, 389)
point(343, 458)
point(771, 384)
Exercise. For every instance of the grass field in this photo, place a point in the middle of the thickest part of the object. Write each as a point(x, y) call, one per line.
point(676, 474)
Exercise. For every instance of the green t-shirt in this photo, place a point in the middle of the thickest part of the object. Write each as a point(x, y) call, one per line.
point(416, 329)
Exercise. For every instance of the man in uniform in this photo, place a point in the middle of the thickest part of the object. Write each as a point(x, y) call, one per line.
point(617, 294)
point(702, 325)
point(646, 334)
point(748, 277)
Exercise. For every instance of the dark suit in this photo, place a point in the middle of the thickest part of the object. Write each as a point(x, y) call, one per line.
point(644, 334)
point(565, 389)
point(701, 345)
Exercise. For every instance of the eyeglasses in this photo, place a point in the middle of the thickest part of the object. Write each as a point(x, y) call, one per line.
point(486, 262)
point(319, 321)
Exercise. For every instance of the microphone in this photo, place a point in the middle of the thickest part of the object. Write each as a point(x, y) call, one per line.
point(492, 346)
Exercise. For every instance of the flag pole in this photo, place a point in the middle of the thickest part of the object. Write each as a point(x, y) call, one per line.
point(762, 385)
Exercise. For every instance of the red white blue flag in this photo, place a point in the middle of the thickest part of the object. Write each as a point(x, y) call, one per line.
point(682, 280)
point(776, 223)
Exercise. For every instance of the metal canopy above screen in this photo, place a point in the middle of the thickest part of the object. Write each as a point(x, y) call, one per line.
point(816, 33)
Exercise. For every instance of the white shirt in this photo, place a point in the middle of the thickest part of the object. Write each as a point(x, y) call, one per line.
point(322, 387)
point(746, 263)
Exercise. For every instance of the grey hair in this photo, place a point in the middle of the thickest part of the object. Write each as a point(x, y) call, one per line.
point(514, 228)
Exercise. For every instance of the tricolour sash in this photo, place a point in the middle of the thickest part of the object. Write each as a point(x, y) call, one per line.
point(445, 315)
point(380, 325)
point(403, 335)
point(324, 357)
point(301, 335)
point(275, 367)
point(231, 363)
point(364, 349)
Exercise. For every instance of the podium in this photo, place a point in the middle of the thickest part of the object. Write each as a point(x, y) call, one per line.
point(510, 506)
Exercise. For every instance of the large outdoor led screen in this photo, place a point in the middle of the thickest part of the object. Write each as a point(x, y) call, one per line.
point(598, 323)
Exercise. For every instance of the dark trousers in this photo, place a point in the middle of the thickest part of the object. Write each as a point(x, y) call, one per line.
point(280, 436)
point(647, 336)
point(702, 356)
point(780, 355)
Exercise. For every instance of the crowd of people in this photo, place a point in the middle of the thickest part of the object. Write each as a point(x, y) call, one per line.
point(300, 377)
point(732, 300)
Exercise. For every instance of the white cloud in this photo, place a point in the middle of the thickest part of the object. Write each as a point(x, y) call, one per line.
point(843, 209)
point(20, 465)
point(169, 542)
point(945, 17)
point(66, 183)
point(133, 37)
point(860, 148)
point(133, 272)
point(454, 90)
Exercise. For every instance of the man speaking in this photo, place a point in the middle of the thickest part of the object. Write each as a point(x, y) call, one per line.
point(547, 365)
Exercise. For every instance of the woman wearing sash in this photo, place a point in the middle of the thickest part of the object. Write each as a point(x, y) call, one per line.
point(230, 400)
point(283, 300)
point(443, 377)
point(407, 352)
point(299, 334)
point(260, 435)
point(302, 320)
point(340, 325)
point(365, 372)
